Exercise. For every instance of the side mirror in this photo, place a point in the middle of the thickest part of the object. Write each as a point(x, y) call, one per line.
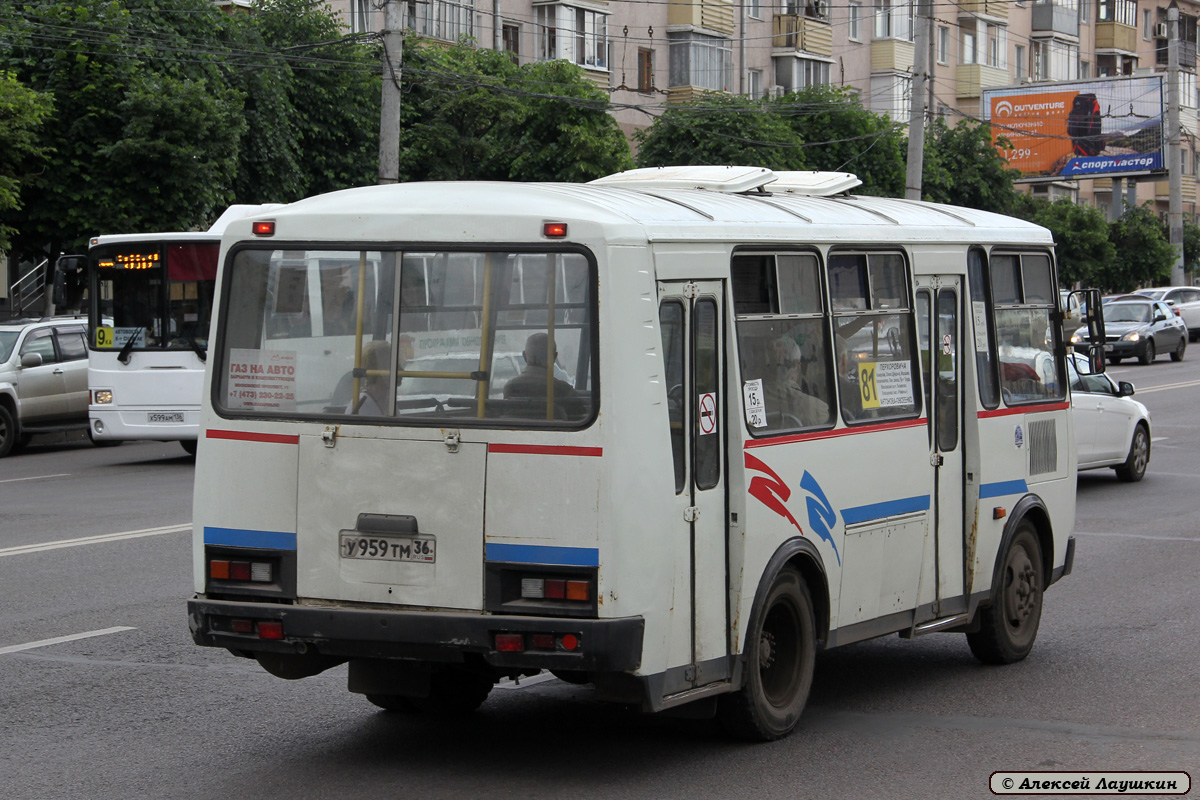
point(1124, 389)
point(66, 264)
point(31, 360)
point(1159, 316)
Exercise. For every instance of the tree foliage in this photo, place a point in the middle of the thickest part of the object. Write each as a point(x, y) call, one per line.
point(22, 111)
point(472, 114)
point(1081, 241)
point(1144, 254)
point(721, 129)
point(962, 168)
point(842, 136)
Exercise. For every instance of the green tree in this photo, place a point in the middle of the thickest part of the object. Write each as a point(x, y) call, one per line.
point(472, 114)
point(22, 111)
point(1191, 245)
point(1081, 242)
point(1144, 254)
point(963, 168)
point(840, 135)
point(721, 129)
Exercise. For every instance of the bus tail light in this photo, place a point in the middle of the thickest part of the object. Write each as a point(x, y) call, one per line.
point(555, 589)
point(550, 642)
point(221, 569)
point(510, 643)
point(270, 630)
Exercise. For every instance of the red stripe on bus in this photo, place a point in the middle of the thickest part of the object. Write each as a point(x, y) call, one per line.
point(809, 437)
point(545, 449)
point(249, 436)
point(1033, 409)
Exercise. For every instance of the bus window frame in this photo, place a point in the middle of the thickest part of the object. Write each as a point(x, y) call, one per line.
point(1057, 351)
point(398, 249)
point(985, 284)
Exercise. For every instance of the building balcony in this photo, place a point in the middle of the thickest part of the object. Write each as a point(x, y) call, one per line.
point(891, 55)
point(711, 15)
point(1162, 190)
point(972, 79)
point(1115, 36)
point(996, 9)
point(1187, 54)
point(1051, 18)
point(803, 34)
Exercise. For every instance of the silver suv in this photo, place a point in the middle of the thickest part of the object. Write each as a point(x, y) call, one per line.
point(1184, 301)
point(43, 379)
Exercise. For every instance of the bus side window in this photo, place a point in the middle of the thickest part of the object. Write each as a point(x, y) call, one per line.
point(1022, 286)
point(670, 321)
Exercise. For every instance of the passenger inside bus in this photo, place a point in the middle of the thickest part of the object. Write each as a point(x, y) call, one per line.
point(373, 394)
point(532, 380)
point(790, 393)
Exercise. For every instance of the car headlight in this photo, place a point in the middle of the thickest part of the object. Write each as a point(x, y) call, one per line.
point(103, 396)
point(1076, 338)
point(1132, 336)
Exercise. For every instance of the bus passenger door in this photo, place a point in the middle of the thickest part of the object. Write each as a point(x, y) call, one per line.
point(693, 337)
point(938, 309)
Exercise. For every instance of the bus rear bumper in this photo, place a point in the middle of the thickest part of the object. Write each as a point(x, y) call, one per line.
point(605, 645)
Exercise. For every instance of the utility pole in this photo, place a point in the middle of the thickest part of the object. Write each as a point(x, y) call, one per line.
point(389, 118)
point(1174, 173)
point(916, 119)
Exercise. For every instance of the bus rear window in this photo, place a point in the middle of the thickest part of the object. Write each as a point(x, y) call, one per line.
point(418, 336)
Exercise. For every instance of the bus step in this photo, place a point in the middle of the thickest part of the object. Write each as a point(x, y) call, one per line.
point(939, 625)
point(688, 695)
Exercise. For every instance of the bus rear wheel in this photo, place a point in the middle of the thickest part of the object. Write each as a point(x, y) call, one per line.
point(1009, 625)
point(780, 654)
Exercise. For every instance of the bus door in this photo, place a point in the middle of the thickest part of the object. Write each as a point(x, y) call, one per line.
point(693, 344)
point(938, 311)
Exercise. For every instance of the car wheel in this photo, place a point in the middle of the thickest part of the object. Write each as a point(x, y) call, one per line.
point(8, 432)
point(1148, 354)
point(780, 655)
point(189, 446)
point(1009, 625)
point(1134, 468)
point(1177, 353)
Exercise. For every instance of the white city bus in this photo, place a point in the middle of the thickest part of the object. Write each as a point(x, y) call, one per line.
point(755, 417)
point(150, 297)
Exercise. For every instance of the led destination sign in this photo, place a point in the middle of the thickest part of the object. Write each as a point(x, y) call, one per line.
point(130, 261)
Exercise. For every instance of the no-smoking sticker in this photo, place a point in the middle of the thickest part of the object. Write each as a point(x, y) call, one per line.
point(947, 344)
point(708, 413)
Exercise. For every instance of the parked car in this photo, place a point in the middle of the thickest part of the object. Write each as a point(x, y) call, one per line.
point(1116, 298)
point(1143, 328)
point(1185, 300)
point(1111, 428)
point(43, 379)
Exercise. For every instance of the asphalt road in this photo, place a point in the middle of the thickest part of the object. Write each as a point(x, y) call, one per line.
point(138, 711)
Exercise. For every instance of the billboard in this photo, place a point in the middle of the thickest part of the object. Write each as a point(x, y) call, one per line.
point(1101, 128)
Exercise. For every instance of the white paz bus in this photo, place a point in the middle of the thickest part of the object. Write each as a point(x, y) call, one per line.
point(668, 433)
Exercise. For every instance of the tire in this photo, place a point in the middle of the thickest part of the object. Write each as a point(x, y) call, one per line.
point(1114, 360)
point(8, 432)
point(1147, 355)
point(1177, 353)
point(1009, 626)
point(453, 691)
point(189, 447)
point(1134, 468)
point(779, 658)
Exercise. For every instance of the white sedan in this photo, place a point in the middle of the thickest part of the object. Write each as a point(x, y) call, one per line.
point(1111, 428)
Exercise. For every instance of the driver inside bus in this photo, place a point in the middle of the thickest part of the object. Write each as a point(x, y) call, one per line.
point(373, 389)
point(532, 380)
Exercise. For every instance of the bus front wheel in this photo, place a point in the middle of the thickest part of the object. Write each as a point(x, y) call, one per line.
point(780, 653)
point(1010, 624)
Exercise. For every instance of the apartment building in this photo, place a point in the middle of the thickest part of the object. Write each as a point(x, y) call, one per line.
point(649, 53)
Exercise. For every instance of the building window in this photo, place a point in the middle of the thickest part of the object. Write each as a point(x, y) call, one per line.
point(891, 94)
point(574, 34)
point(1055, 61)
point(997, 44)
point(1147, 30)
point(1085, 70)
point(645, 70)
point(1019, 63)
point(439, 19)
point(943, 45)
point(894, 20)
point(360, 16)
point(754, 83)
point(855, 21)
point(702, 61)
point(512, 41)
point(754, 9)
point(968, 48)
point(1085, 12)
point(1187, 88)
point(1123, 12)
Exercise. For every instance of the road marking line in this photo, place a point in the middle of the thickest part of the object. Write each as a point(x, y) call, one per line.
point(509, 683)
point(1167, 386)
point(1138, 536)
point(37, 477)
point(104, 537)
point(16, 648)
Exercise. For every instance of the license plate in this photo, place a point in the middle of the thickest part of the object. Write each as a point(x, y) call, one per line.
point(175, 416)
point(422, 549)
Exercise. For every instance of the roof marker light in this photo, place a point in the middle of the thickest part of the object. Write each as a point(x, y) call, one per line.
point(554, 230)
point(266, 228)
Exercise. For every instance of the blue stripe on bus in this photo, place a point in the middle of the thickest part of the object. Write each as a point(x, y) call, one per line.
point(240, 537)
point(541, 554)
point(1002, 489)
point(887, 509)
